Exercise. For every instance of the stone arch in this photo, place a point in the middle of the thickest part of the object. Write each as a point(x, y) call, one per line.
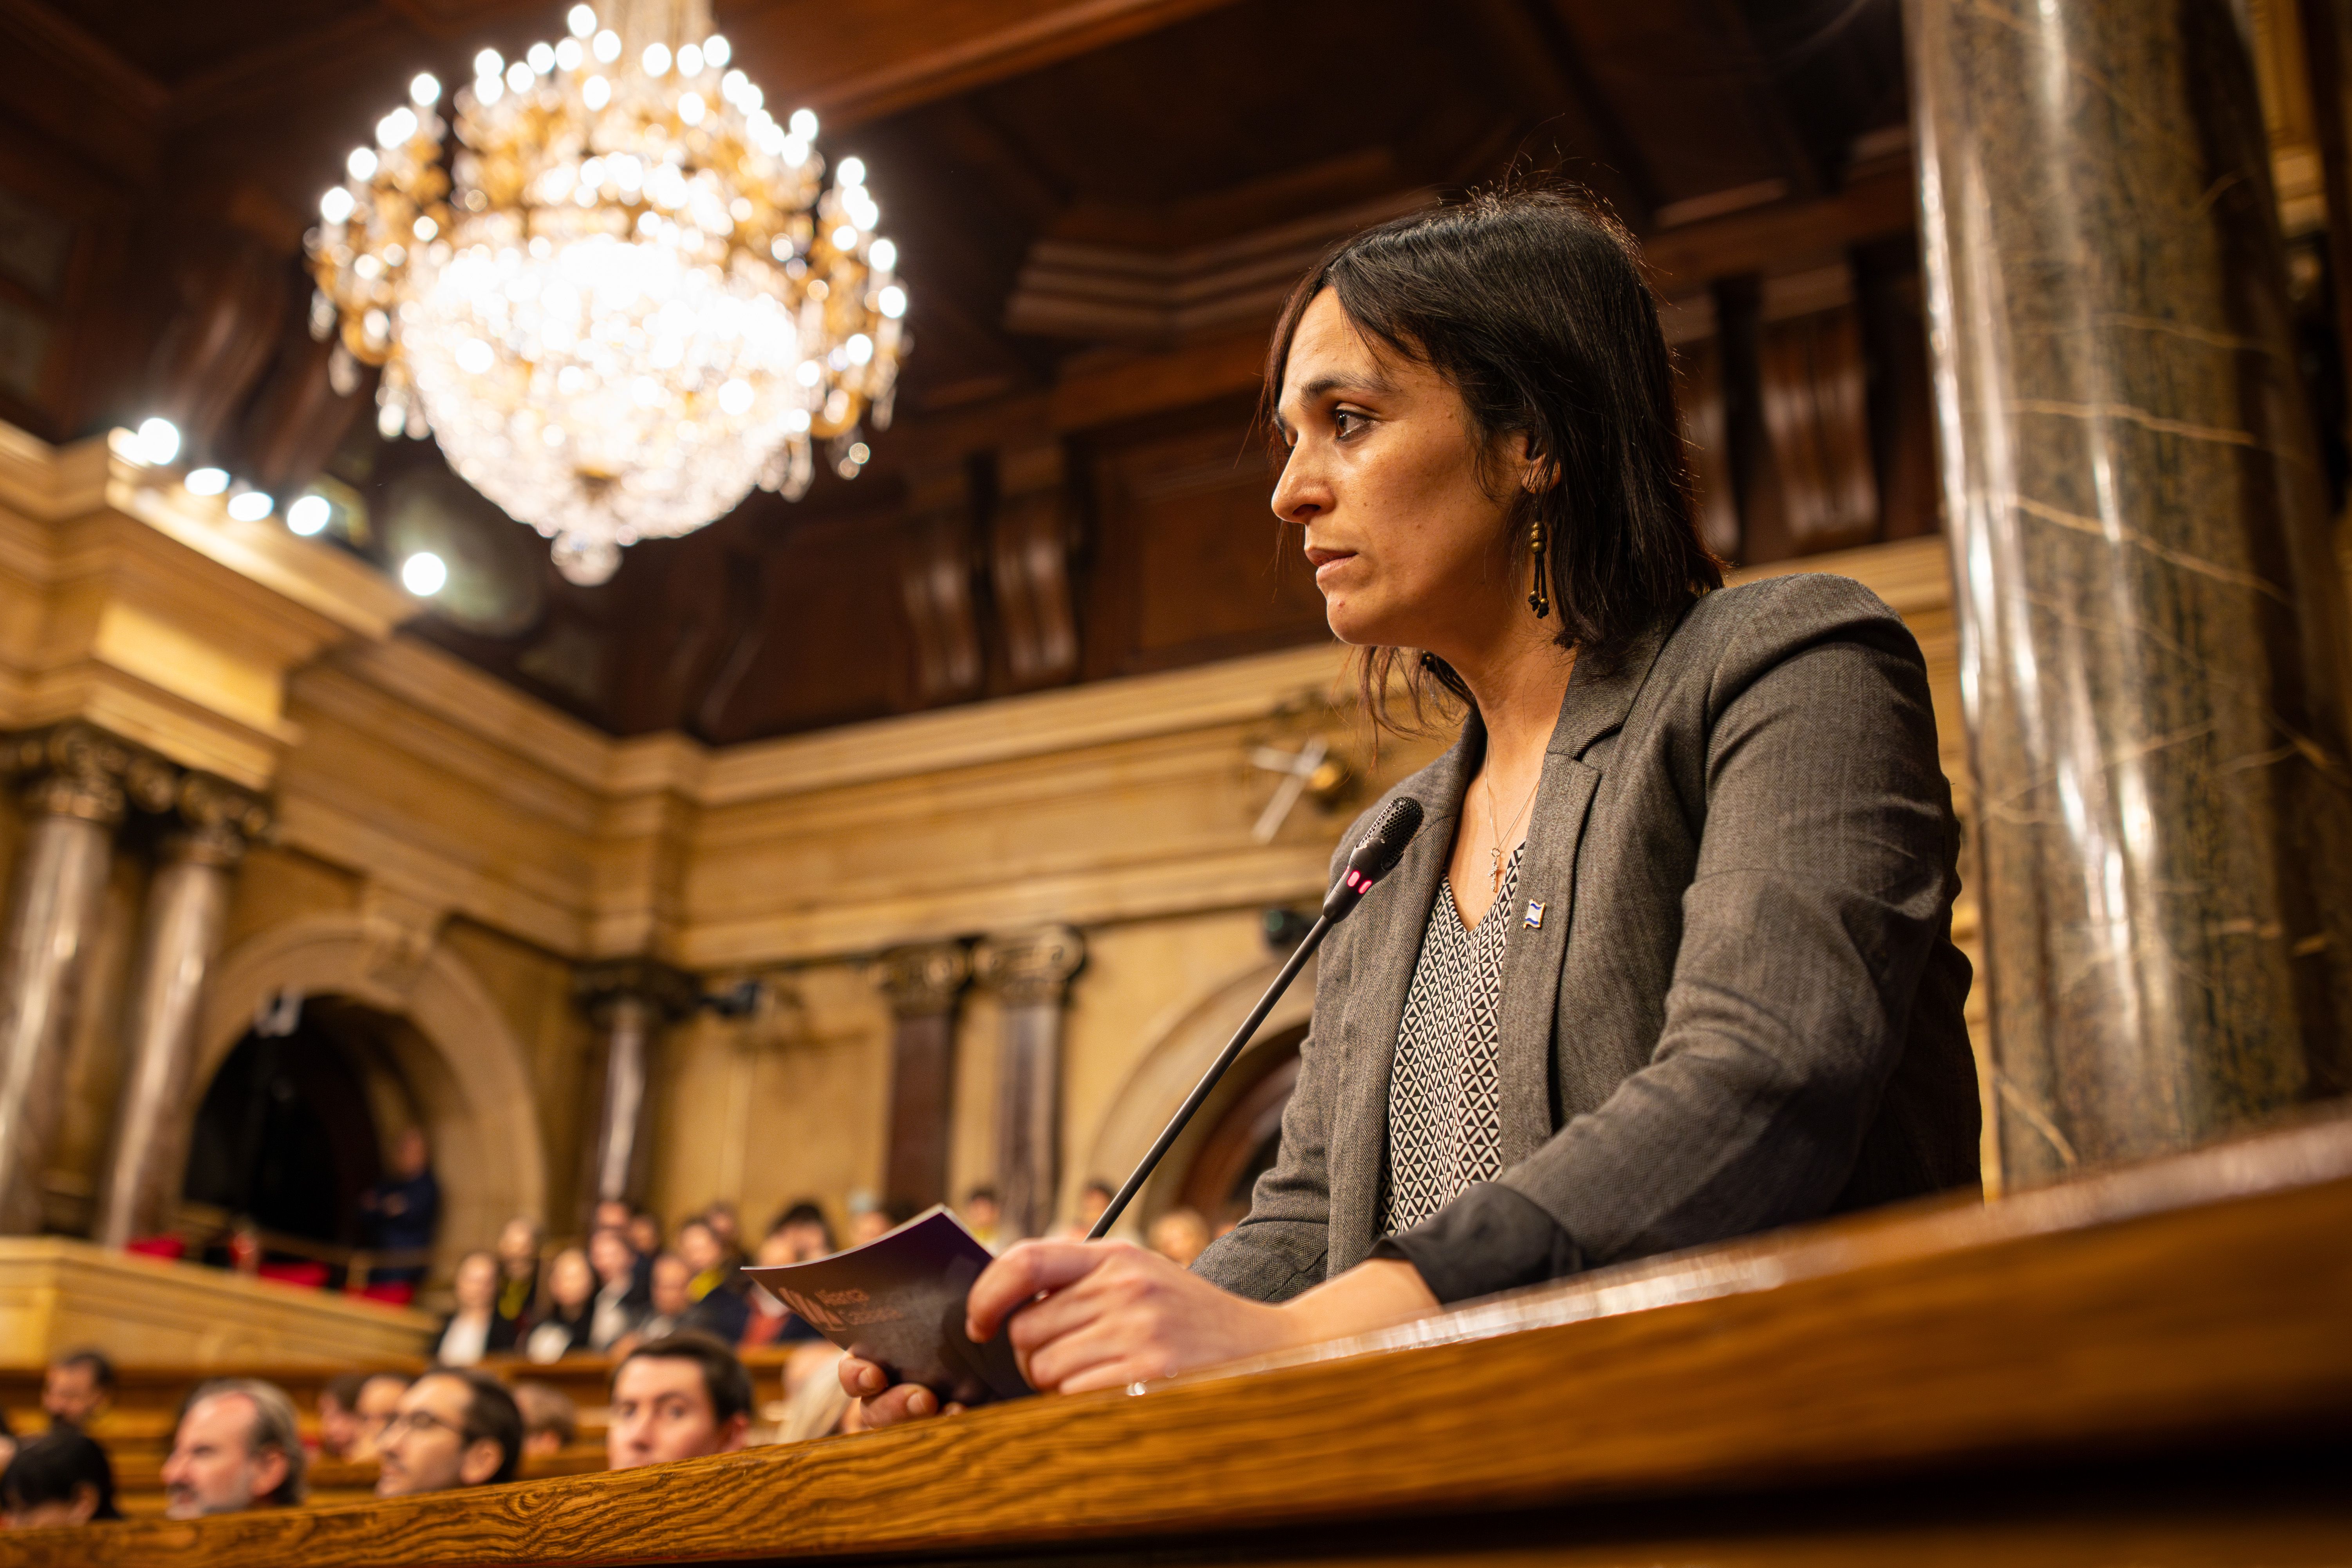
point(464, 1071)
point(1172, 1062)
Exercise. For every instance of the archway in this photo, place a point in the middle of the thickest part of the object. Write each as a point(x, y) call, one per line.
point(1171, 1065)
point(442, 1056)
point(285, 1134)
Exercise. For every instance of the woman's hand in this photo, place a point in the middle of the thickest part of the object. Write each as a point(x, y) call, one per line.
point(1115, 1314)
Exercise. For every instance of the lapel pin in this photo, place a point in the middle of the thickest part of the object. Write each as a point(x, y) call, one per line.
point(1535, 914)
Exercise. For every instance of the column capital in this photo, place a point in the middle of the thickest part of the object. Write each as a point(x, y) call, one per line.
point(1030, 968)
point(76, 769)
point(924, 980)
point(217, 821)
point(671, 992)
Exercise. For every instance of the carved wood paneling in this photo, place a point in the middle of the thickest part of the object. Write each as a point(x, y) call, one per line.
point(1030, 538)
point(1813, 392)
point(1691, 331)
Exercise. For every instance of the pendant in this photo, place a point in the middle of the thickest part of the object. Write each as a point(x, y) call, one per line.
point(1497, 872)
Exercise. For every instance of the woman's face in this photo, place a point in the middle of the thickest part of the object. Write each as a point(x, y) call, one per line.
point(1384, 478)
point(571, 1282)
point(476, 1284)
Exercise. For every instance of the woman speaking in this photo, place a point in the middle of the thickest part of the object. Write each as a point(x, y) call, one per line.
point(1670, 959)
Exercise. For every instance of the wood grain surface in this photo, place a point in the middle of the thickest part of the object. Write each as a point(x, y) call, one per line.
point(2191, 1305)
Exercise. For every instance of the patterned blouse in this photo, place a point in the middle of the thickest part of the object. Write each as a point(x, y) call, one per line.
point(1444, 1125)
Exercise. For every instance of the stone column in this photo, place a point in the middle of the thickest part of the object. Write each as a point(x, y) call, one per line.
point(2151, 627)
point(73, 800)
point(187, 905)
point(1030, 973)
point(630, 1000)
point(923, 985)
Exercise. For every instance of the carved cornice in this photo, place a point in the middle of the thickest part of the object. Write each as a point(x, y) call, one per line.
point(220, 820)
point(1031, 969)
point(923, 982)
point(671, 993)
point(80, 769)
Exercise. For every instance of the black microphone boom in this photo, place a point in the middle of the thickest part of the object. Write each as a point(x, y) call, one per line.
point(1375, 855)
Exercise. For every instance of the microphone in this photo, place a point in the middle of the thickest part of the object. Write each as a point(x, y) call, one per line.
point(1375, 855)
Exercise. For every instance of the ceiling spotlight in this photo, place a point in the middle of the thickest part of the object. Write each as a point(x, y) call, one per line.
point(206, 481)
point(157, 442)
point(423, 573)
point(309, 514)
point(250, 505)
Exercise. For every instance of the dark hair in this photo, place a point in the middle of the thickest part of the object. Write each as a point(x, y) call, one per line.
point(1532, 304)
point(723, 1377)
point(805, 1211)
point(345, 1387)
point(52, 1468)
point(546, 1408)
point(101, 1371)
point(491, 1412)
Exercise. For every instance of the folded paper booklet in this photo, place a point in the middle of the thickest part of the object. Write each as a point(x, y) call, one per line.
point(898, 1301)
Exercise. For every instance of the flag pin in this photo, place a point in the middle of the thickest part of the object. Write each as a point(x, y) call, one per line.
point(1535, 915)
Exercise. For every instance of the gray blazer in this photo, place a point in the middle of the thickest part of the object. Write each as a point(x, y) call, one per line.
point(1742, 1006)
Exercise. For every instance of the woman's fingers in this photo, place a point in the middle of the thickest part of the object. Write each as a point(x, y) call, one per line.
point(1025, 1269)
point(906, 1402)
point(860, 1379)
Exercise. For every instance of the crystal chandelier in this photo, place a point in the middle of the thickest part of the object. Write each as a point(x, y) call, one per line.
point(624, 296)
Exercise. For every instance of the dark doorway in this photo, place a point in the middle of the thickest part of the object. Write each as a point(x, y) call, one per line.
point(285, 1136)
point(1246, 1132)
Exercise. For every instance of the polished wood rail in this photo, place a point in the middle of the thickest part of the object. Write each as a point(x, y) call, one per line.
point(2152, 1366)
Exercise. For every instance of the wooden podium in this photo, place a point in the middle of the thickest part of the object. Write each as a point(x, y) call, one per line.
point(2150, 1367)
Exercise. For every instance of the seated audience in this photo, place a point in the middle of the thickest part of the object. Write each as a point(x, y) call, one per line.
point(378, 1402)
point(454, 1429)
point(815, 1403)
point(339, 1415)
point(1180, 1235)
point(550, 1422)
point(563, 1325)
point(677, 1398)
point(400, 1213)
point(610, 1214)
point(670, 1304)
point(799, 1236)
point(982, 1216)
point(718, 1308)
point(477, 1328)
point(8, 1444)
point(872, 1224)
point(621, 1303)
point(646, 1236)
point(61, 1478)
point(728, 1227)
point(238, 1445)
point(517, 1249)
point(78, 1387)
point(1092, 1199)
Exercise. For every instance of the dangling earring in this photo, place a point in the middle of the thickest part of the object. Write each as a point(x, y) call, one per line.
point(1540, 601)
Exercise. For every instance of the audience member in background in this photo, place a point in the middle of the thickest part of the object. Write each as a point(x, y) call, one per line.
point(806, 1226)
point(670, 1304)
point(8, 1444)
point(646, 1236)
point(550, 1422)
point(519, 1243)
point(78, 1387)
point(610, 1214)
point(453, 1429)
point(476, 1329)
point(677, 1398)
point(238, 1445)
point(61, 1478)
point(1180, 1235)
point(620, 1304)
point(814, 1401)
point(728, 1227)
point(770, 1321)
point(718, 1308)
point(400, 1213)
point(872, 1224)
point(339, 1415)
point(378, 1402)
point(982, 1216)
point(1092, 1199)
point(562, 1325)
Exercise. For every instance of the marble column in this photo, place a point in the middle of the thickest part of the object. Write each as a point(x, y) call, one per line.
point(923, 985)
point(630, 1001)
point(1030, 974)
point(187, 905)
point(73, 799)
point(2152, 633)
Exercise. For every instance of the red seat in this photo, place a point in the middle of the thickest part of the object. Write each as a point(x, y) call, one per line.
point(165, 1247)
point(391, 1292)
point(310, 1276)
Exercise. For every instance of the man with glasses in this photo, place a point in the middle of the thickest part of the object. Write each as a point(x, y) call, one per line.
point(454, 1429)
